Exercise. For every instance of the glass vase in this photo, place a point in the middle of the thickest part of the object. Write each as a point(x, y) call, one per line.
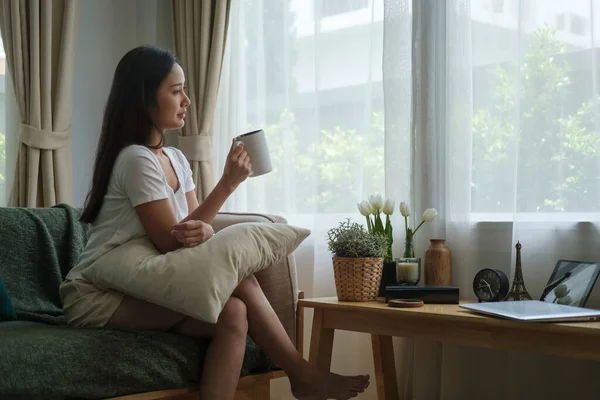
point(409, 250)
point(389, 256)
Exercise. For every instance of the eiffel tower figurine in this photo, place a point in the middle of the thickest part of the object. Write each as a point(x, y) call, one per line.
point(518, 290)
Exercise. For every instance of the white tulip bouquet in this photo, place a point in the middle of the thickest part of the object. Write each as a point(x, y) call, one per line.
point(372, 210)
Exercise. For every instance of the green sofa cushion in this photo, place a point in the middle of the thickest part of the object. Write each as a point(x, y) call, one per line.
point(59, 362)
point(7, 311)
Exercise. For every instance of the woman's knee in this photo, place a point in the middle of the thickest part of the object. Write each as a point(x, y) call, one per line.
point(249, 284)
point(234, 317)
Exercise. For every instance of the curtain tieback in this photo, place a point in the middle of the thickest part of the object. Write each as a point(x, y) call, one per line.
point(196, 147)
point(43, 139)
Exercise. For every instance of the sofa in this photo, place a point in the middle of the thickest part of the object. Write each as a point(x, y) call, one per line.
point(42, 357)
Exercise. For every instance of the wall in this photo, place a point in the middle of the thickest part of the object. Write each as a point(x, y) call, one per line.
point(107, 30)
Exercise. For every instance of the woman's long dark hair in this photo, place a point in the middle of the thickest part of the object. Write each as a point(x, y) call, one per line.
point(127, 117)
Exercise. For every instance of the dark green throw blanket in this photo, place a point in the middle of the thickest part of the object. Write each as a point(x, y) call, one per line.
point(37, 251)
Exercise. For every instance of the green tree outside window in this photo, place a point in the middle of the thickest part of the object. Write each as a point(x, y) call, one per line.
point(557, 146)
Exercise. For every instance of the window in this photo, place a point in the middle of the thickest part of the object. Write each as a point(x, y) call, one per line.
point(335, 7)
point(571, 23)
point(319, 98)
point(578, 25)
point(497, 6)
point(536, 135)
point(492, 6)
point(560, 21)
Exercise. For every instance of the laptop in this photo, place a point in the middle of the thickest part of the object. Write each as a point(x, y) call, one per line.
point(563, 299)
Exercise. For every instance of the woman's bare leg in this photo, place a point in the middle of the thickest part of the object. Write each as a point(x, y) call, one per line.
point(266, 330)
point(225, 355)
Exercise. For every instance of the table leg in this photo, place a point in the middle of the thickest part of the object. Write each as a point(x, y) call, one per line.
point(321, 342)
point(385, 367)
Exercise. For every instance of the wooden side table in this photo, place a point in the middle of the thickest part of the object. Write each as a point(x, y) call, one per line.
point(442, 323)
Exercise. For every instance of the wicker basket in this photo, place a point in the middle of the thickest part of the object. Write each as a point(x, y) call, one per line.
point(357, 279)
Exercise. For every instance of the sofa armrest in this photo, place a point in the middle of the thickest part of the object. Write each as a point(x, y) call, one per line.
point(279, 281)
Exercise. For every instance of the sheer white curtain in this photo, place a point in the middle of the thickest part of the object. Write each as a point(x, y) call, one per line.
point(506, 140)
point(309, 73)
point(4, 90)
point(490, 116)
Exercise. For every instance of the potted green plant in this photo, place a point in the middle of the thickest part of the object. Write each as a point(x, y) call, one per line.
point(357, 261)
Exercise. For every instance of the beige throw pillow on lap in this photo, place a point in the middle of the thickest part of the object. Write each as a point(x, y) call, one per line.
point(195, 281)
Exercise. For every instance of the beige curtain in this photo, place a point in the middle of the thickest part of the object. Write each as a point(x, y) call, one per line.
point(200, 32)
point(39, 41)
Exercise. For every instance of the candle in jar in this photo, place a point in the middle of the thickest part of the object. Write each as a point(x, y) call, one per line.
point(407, 272)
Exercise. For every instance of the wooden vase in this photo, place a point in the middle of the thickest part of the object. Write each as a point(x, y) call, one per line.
point(437, 264)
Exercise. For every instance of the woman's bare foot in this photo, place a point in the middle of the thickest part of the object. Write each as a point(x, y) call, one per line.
point(318, 385)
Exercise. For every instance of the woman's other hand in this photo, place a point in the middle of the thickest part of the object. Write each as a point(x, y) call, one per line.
point(192, 233)
point(237, 166)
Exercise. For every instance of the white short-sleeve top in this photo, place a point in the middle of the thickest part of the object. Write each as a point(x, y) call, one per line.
point(137, 178)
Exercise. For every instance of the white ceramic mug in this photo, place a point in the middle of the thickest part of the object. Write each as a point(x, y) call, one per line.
point(255, 144)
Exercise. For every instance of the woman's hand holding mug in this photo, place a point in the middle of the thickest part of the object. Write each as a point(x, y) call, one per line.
point(237, 166)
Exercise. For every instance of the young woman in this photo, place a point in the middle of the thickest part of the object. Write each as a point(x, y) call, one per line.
point(140, 188)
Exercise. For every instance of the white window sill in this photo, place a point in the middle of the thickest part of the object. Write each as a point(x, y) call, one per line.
point(535, 217)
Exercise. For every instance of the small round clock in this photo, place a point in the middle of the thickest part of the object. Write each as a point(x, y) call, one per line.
point(490, 285)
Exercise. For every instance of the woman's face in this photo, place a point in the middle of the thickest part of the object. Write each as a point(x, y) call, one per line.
point(172, 102)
